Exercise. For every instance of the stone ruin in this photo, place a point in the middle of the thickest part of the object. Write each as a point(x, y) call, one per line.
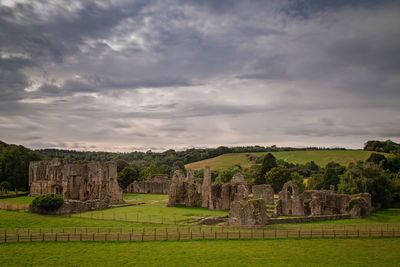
point(264, 191)
point(84, 186)
point(248, 212)
point(154, 184)
point(187, 191)
point(320, 202)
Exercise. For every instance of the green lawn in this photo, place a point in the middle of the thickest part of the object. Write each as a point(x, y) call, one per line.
point(321, 157)
point(18, 200)
point(155, 212)
point(129, 197)
point(285, 252)
point(21, 219)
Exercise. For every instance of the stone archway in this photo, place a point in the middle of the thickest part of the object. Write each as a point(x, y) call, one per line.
point(57, 189)
point(290, 199)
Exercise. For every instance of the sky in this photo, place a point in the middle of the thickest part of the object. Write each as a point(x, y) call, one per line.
point(154, 75)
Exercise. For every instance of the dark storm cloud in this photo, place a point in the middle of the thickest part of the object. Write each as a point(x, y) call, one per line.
point(118, 75)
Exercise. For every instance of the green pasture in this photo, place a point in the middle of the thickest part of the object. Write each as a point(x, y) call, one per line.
point(18, 200)
point(284, 252)
point(320, 157)
point(156, 212)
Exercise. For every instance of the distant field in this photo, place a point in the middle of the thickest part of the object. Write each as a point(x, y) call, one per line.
point(321, 157)
point(288, 252)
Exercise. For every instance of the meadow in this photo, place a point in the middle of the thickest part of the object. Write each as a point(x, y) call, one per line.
point(320, 157)
point(293, 252)
point(274, 252)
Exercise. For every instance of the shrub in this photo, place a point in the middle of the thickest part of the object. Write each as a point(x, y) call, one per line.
point(48, 201)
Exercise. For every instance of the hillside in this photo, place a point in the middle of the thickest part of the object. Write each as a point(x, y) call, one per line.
point(321, 157)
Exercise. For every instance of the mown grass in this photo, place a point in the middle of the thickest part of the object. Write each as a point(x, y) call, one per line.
point(21, 219)
point(284, 252)
point(321, 157)
point(155, 212)
point(18, 200)
point(128, 197)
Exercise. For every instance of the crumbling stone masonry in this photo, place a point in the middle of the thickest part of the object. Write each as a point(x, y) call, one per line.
point(264, 191)
point(154, 184)
point(249, 212)
point(320, 202)
point(92, 181)
point(189, 192)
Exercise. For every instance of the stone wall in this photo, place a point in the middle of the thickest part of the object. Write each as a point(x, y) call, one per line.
point(154, 184)
point(309, 219)
point(189, 192)
point(73, 206)
point(319, 202)
point(249, 212)
point(264, 191)
point(75, 181)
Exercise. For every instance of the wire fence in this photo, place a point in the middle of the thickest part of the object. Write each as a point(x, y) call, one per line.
point(193, 233)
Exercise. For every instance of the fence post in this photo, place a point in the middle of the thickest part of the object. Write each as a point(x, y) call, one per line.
point(68, 237)
point(155, 234)
point(179, 235)
point(142, 235)
point(30, 238)
point(263, 233)
point(56, 237)
point(80, 236)
point(191, 237)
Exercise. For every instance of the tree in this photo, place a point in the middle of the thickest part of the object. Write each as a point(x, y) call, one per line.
point(378, 159)
point(330, 178)
point(277, 177)
point(367, 177)
point(121, 164)
point(14, 165)
point(127, 176)
point(178, 166)
point(315, 181)
point(269, 162)
point(4, 187)
point(224, 176)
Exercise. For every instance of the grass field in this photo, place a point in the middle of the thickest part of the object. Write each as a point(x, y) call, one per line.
point(152, 212)
point(18, 200)
point(321, 157)
point(301, 252)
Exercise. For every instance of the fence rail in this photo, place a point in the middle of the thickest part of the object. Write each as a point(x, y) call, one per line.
point(144, 234)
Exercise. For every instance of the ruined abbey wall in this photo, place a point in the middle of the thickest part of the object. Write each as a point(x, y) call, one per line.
point(75, 181)
point(153, 185)
point(320, 202)
point(186, 191)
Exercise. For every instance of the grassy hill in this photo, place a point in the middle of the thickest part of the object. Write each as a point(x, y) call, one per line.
point(321, 157)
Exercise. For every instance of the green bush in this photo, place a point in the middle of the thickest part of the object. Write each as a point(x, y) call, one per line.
point(48, 201)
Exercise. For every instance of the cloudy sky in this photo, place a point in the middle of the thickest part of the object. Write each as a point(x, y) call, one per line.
point(138, 75)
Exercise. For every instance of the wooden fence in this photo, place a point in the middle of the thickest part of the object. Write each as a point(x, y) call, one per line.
point(193, 233)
